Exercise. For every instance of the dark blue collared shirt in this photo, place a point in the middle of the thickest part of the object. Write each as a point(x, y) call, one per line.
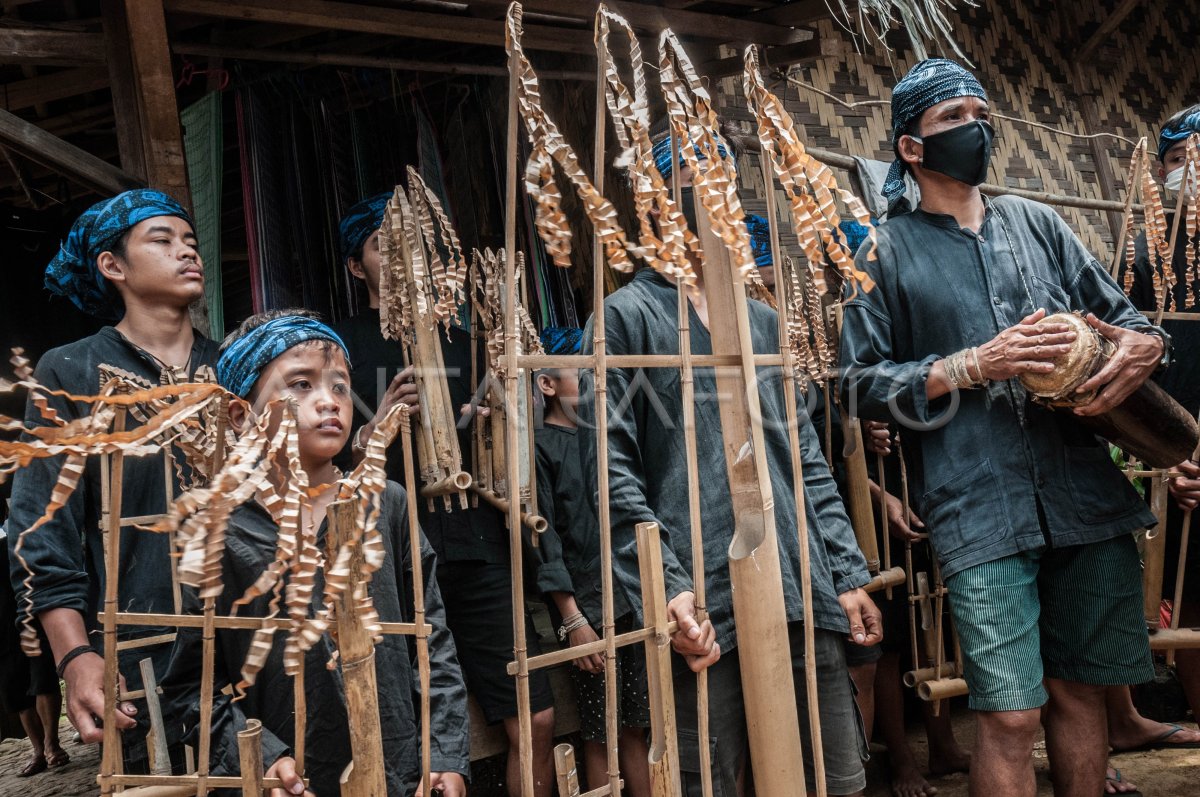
point(982, 462)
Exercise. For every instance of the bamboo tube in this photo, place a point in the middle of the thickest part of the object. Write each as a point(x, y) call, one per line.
point(941, 689)
point(908, 559)
point(161, 763)
point(923, 674)
point(885, 580)
point(499, 423)
point(793, 425)
point(110, 756)
point(859, 505)
point(687, 384)
point(600, 386)
point(664, 747)
point(300, 719)
point(564, 769)
point(1175, 639)
point(535, 523)
point(881, 475)
point(418, 582)
point(564, 655)
point(477, 426)
point(250, 758)
point(1154, 555)
point(455, 482)
point(511, 422)
point(356, 652)
point(754, 570)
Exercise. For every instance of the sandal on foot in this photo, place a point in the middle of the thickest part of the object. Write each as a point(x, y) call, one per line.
point(1161, 742)
point(35, 767)
point(1118, 779)
point(59, 759)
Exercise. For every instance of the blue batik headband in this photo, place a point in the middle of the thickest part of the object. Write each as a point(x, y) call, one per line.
point(926, 84)
point(562, 340)
point(760, 239)
point(73, 273)
point(1173, 134)
point(243, 361)
point(662, 155)
point(363, 218)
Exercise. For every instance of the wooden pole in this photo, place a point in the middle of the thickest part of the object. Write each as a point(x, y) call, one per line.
point(356, 651)
point(754, 570)
point(793, 424)
point(1154, 554)
point(418, 585)
point(1181, 568)
point(858, 503)
point(1139, 163)
point(251, 758)
point(664, 746)
point(608, 621)
point(110, 752)
point(512, 422)
point(161, 763)
point(564, 768)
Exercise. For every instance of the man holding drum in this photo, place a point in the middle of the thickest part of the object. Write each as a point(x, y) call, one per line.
point(1031, 521)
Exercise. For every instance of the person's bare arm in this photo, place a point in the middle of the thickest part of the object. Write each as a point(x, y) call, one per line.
point(84, 675)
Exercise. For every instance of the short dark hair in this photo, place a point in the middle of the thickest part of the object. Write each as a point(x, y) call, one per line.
point(258, 319)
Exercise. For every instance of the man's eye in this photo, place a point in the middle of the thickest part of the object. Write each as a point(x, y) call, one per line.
point(341, 388)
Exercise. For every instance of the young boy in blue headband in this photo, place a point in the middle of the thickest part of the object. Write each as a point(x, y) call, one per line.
point(290, 355)
point(131, 260)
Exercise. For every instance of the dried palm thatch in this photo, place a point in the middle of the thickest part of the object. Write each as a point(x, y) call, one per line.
point(924, 21)
point(547, 147)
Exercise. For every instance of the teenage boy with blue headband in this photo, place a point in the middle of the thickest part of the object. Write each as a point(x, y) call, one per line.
point(1031, 521)
point(289, 355)
point(131, 260)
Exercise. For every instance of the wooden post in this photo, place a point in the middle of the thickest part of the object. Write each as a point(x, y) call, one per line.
point(754, 570)
point(251, 758)
point(1154, 554)
point(365, 777)
point(418, 585)
point(859, 504)
point(110, 752)
point(564, 769)
point(126, 109)
point(664, 744)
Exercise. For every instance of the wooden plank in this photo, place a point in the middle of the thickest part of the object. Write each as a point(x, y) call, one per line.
point(652, 19)
point(162, 138)
point(54, 47)
point(126, 110)
point(22, 94)
point(772, 57)
point(1107, 26)
point(64, 158)
point(330, 15)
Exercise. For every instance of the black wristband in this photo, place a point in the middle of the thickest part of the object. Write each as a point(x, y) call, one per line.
point(72, 655)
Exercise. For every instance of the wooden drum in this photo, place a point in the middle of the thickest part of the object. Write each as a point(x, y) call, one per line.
point(1149, 424)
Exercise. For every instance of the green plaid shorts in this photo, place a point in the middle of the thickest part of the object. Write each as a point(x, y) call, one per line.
point(1072, 613)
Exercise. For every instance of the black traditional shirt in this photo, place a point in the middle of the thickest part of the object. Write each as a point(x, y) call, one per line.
point(250, 543)
point(648, 468)
point(983, 463)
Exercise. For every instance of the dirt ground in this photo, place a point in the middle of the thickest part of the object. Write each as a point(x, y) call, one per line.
point(1174, 773)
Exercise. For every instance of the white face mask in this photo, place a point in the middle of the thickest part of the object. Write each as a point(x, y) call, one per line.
point(1174, 180)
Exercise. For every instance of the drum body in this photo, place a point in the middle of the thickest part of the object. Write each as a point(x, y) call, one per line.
point(1149, 424)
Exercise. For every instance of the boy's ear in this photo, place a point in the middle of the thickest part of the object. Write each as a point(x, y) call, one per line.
point(545, 383)
point(110, 267)
point(355, 267)
point(239, 415)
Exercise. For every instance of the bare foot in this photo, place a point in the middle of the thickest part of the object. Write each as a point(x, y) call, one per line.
point(1114, 783)
point(947, 761)
point(908, 782)
point(1147, 733)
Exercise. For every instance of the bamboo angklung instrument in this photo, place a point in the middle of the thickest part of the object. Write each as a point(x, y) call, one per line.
point(564, 769)
point(250, 758)
point(1154, 554)
point(754, 568)
point(664, 747)
point(416, 293)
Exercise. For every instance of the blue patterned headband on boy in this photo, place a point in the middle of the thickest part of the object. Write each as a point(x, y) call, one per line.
point(760, 239)
point(73, 273)
point(562, 340)
point(662, 155)
point(1173, 134)
point(243, 361)
point(363, 218)
point(931, 81)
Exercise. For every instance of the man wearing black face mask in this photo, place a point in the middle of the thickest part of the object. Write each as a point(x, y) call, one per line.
point(1030, 520)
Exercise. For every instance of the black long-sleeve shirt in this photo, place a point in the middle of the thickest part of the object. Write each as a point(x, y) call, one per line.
point(648, 468)
point(250, 543)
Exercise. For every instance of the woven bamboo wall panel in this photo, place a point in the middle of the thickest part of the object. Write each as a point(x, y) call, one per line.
point(1023, 54)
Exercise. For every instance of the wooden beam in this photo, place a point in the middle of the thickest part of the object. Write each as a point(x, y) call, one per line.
point(691, 24)
point(162, 137)
point(22, 94)
point(772, 57)
point(62, 157)
point(1107, 26)
point(330, 15)
point(800, 12)
point(50, 47)
point(305, 58)
point(124, 87)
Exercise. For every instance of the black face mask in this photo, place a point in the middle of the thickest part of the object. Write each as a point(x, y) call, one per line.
point(962, 152)
point(687, 206)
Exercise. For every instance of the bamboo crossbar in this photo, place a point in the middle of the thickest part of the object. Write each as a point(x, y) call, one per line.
point(919, 676)
point(537, 361)
point(535, 523)
point(243, 623)
point(885, 579)
point(556, 657)
point(1175, 639)
point(191, 781)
